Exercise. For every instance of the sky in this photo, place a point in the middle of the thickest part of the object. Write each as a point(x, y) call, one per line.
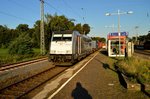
point(92, 12)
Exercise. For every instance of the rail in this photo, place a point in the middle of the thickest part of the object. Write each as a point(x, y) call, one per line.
point(22, 88)
point(11, 66)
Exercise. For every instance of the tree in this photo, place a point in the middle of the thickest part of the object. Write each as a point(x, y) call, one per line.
point(56, 23)
point(141, 39)
point(22, 27)
point(21, 45)
point(59, 23)
point(5, 36)
point(102, 40)
point(99, 39)
point(148, 36)
point(79, 28)
point(3, 39)
point(36, 35)
point(86, 29)
point(134, 39)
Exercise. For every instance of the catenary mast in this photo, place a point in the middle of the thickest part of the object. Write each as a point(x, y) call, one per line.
point(42, 38)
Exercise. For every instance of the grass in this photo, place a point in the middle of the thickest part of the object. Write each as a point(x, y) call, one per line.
point(3, 52)
point(6, 58)
point(135, 68)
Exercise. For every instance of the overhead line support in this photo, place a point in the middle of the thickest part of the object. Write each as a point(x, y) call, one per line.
point(42, 36)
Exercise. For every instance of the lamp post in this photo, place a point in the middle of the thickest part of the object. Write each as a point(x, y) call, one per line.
point(119, 13)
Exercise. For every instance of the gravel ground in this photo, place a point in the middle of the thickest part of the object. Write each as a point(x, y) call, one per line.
point(98, 80)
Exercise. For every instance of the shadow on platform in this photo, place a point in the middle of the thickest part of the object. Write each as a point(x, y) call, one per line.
point(120, 77)
point(80, 92)
point(105, 65)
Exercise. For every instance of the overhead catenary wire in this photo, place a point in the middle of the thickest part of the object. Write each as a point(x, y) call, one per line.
point(22, 6)
point(14, 16)
point(53, 7)
point(27, 8)
point(84, 15)
point(77, 14)
point(140, 24)
point(48, 4)
point(73, 11)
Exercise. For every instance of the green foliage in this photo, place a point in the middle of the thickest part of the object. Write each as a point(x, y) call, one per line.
point(142, 38)
point(135, 68)
point(79, 28)
point(3, 52)
point(6, 58)
point(22, 27)
point(86, 29)
point(148, 36)
point(99, 39)
point(21, 46)
point(56, 23)
point(52, 23)
point(144, 74)
point(6, 35)
point(36, 35)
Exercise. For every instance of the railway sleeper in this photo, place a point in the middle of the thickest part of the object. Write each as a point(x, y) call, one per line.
point(32, 83)
point(41, 75)
point(36, 80)
point(19, 89)
point(7, 96)
point(10, 92)
point(26, 85)
point(41, 79)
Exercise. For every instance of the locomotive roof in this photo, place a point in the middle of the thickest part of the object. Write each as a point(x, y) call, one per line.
point(63, 32)
point(71, 32)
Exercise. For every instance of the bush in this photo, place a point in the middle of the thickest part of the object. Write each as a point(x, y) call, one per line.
point(135, 68)
point(21, 46)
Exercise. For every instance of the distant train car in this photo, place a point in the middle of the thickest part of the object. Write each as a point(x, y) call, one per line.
point(101, 45)
point(94, 45)
point(67, 47)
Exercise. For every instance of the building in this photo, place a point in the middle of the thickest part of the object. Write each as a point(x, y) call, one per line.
point(113, 44)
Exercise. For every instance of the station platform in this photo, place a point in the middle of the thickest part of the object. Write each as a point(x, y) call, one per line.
point(96, 80)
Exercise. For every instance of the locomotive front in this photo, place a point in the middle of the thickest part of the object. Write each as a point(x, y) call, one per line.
point(61, 47)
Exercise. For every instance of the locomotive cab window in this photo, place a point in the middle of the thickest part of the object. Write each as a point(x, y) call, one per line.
point(62, 37)
point(67, 37)
point(57, 37)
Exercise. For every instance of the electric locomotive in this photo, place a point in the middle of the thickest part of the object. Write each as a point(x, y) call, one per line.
point(68, 47)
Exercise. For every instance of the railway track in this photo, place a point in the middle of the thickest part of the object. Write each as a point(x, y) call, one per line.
point(22, 88)
point(11, 66)
point(143, 53)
